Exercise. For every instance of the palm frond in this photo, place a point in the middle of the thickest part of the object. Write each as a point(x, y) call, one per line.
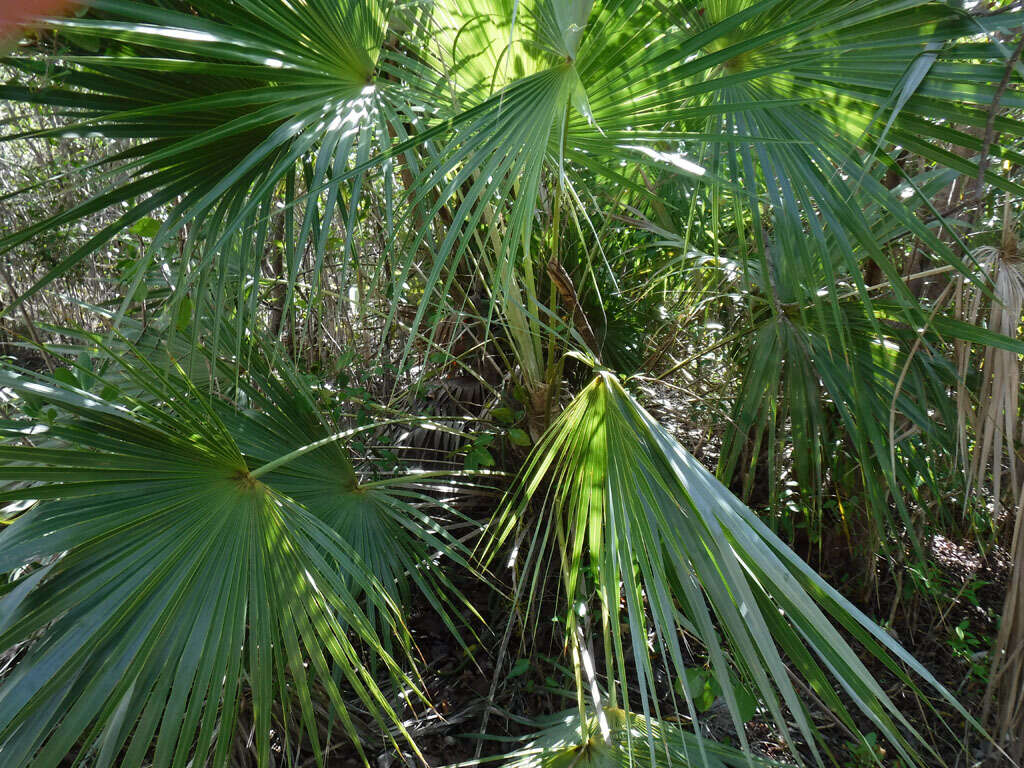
point(175, 586)
point(640, 524)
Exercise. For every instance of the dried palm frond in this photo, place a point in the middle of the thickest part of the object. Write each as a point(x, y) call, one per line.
point(995, 418)
point(997, 431)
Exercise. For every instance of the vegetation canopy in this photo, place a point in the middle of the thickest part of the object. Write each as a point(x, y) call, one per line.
point(547, 383)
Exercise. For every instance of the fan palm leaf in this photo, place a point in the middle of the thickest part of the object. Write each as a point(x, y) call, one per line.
point(224, 107)
point(666, 550)
point(175, 580)
point(310, 87)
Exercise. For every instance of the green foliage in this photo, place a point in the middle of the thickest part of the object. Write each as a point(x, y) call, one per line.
point(663, 548)
point(304, 215)
point(185, 546)
point(971, 649)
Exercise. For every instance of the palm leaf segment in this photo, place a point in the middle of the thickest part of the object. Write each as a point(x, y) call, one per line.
point(175, 587)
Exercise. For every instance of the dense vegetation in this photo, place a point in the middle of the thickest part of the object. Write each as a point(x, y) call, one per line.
point(550, 383)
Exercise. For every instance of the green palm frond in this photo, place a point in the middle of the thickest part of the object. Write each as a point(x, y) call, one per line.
point(797, 377)
point(310, 97)
point(223, 107)
point(393, 524)
point(174, 583)
point(640, 523)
